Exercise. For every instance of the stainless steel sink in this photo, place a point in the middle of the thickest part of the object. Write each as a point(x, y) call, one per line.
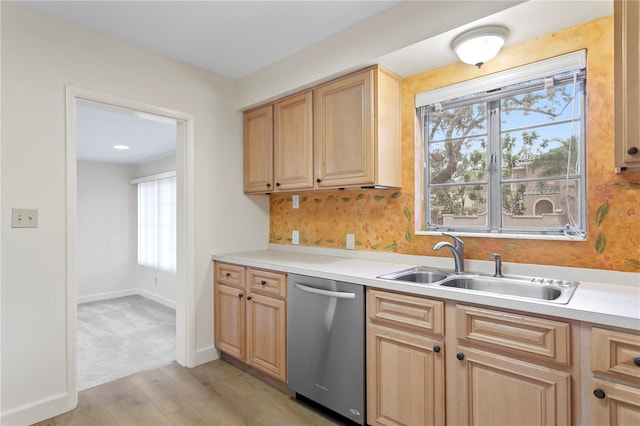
point(542, 289)
point(418, 275)
point(529, 288)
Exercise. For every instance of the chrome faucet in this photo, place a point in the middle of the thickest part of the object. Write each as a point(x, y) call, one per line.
point(457, 248)
point(498, 260)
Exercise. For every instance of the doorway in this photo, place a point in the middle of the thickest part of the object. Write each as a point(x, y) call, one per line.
point(184, 176)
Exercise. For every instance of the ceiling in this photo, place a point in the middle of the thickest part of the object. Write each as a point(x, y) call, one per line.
point(238, 39)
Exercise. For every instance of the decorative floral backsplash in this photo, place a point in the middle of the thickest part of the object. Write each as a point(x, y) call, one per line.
point(384, 220)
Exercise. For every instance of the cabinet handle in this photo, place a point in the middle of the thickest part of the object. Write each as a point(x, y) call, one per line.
point(248, 297)
point(636, 361)
point(599, 393)
point(228, 274)
point(632, 151)
point(240, 295)
point(263, 282)
point(460, 356)
point(268, 185)
point(318, 180)
point(436, 348)
point(277, 183)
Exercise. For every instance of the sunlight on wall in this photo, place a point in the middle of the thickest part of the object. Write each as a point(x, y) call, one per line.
point(384, 220)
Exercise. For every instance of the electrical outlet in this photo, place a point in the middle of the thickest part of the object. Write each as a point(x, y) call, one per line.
point(295, 237)
point(296, 201)
point(351, 242)
point(24, 218)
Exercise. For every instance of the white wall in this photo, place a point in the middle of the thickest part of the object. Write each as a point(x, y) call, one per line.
point(106, 232)
point(39, 57)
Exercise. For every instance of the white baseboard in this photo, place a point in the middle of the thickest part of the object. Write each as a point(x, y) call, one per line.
point(128, 292)
point(108, 295)
point(205, 355)
point(37, 411)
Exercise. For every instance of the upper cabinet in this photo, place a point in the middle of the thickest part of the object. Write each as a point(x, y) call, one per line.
point(627, 84)
point(345, 133)
point(258, 150)
point(292, 142)
point(357, 131)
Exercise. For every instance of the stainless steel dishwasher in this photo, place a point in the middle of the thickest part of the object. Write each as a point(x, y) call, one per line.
point(325, 344)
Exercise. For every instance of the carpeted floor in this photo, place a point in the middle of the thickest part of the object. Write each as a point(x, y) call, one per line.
point(122, 336)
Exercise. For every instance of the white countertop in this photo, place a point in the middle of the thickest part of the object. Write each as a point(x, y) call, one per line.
point(615, 302)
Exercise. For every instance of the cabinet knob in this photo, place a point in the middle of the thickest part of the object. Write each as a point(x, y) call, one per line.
point(632, 151)
point(460, 356)
point(318, 180)
point(277, 183)
point(228, 274)
point(636, 361)
point(599, 393)
point(248, 297)
point(268, 185)
point(240, 295)
point(263, 282)
point(436, 348)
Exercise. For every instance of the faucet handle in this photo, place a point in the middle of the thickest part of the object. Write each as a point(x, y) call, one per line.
point(458, 242)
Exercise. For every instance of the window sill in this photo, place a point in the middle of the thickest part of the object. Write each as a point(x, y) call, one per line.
point(503, 235)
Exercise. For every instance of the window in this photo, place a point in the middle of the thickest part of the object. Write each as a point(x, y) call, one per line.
point(157, 223)
point(501, 151)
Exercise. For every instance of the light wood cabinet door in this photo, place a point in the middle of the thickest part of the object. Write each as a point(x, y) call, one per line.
point(230, 320)
point(357, 131)
point(496, 390)
point(258, 150)
point(266, 335)
point(627, 84)
point(344, 131)
point(405, 378)
point(614, 404)
point(293, 142)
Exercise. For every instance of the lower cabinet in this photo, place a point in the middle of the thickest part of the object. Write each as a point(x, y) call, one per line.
point(250, 317)
point(500, 368)
point(405, 367)
point(615, 359)
point(498, 390)
point(614, 404)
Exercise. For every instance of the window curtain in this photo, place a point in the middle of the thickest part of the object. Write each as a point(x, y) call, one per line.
point(157, 224)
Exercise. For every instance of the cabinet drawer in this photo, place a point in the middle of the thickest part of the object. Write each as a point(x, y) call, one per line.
point(518, 334)
point(229, 274)
point(267, 282)
point(614, 353)
point(404, 311)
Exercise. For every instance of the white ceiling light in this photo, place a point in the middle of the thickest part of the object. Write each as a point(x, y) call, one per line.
point(121, 147)
point(479, 45)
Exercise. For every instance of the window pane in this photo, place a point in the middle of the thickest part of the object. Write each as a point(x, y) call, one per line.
point(456, 123)
point(459, 206)
point(540, 152)
point(544, 204)
point(457, 161)
point(538, 107)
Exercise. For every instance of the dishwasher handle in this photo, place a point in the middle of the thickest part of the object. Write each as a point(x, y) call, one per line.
point(328, 293)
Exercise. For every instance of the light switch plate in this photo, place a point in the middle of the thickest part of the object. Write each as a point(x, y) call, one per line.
point(295, 237)
point(296, 201)
point(24, 218)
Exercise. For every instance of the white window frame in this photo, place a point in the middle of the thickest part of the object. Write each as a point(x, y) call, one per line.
point(552, 66)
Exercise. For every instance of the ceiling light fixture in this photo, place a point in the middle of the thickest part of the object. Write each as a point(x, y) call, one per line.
point(121, 147)
point(479, 45)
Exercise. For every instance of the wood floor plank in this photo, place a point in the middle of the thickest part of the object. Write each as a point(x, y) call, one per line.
point(216, 393)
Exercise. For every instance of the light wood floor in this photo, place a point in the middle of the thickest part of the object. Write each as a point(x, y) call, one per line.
point(216, 393)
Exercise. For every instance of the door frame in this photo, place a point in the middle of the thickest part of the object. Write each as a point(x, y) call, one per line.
point(185, 229)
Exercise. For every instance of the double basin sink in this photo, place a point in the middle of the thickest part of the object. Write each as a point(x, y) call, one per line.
point(541, 289)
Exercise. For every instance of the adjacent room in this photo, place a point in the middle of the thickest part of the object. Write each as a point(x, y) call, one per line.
point(126, 242)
